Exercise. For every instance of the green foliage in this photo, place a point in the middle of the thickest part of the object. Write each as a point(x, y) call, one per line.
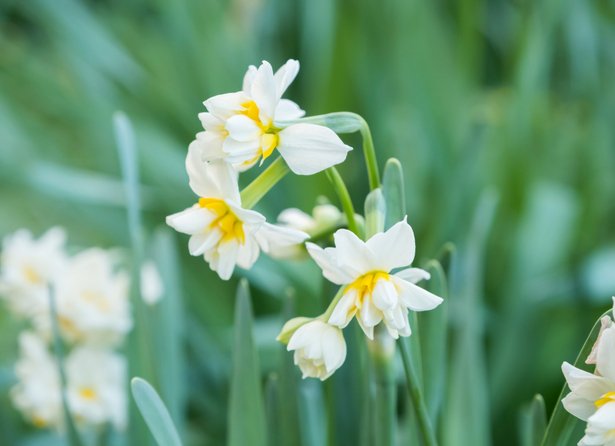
point(155, 413)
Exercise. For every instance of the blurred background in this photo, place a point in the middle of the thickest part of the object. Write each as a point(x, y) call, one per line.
point(501, 112)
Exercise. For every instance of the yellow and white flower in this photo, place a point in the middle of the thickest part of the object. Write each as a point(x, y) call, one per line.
point(247, 126)
point(92, 301)
point(324, 216)
point(371, 291)
point(320, 349)
point(27, 268)
point(223, 232)
point(600, 427)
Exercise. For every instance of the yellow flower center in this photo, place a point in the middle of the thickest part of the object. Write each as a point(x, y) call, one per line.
point(87, 393)
point(606, 398)
point(226, 221)
point(32, 275)
point(269, 139)
point(39, 422)
point(364, 285)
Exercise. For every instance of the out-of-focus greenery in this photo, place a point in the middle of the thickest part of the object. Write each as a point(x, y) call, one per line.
point(501, 113)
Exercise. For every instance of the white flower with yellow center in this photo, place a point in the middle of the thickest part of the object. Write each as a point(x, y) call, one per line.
point(27, 268)
point(247, 126)
point(92, 300)
point(371, 291)
point(223, 232)
point(320, 349)
point(96, 387)
point(600, 427)
point(589, 391)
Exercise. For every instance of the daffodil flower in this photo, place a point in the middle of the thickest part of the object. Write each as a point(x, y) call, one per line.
point(223, 232)
point(600, 427)
point(246, 127)
point(320, 349)
point(371, 291)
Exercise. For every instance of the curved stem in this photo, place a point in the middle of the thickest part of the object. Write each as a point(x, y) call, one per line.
point(344, 196)
point(416, 396)
point(263, 183)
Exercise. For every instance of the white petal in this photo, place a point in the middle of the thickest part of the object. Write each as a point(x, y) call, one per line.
point(248, 79)
point(578, 406)
point(285, 76)
point(287, 111)
point(227, 258)
point(385, 295)
point(344, 310)
point(273, 237)
point(326, 260)
point(334, 351)
point(414, 297)
point(370, 315)
point(605, 354)
point(226, 105)
point(309, 148)
point(296, 218)
point(243, 129)
point(247, 152)
point(199, 243)
point(368, 330)
point(211, 179)
point(263, 92)
point(413, 275)
point(190, 221)
point(211, 122)
point(248, 253)
point(353, 255)
point(208, 145)
point(395, 247)
point(251, 219)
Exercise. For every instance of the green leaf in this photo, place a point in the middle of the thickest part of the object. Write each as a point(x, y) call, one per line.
point(375, 213)
point(154, 413)
point(533, 422)
point(246, 421)
point(393, 190)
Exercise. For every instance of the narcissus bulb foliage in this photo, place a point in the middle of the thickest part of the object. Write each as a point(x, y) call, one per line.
point(370, 291)
point(220, 230)
point(28, 266)
point(320, 348)
point(592, 396)
point(248, 126)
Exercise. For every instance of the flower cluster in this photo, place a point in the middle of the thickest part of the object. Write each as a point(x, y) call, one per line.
point(93, 317)
point(243, 129)
point(592, 396)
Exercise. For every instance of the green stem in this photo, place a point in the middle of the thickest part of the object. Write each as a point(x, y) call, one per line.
point(383, 414)
point(347, 122)
point(416, 396)
point(263, 183)
point(344, 196)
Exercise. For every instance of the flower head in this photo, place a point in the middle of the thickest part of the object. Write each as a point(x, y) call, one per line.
point(320, 349)
point(371, 291)
point(28, 267)
point(247, 126)
point(223, 232)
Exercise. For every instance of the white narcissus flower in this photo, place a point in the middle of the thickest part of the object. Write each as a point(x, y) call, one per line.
point(371, 292)
point(92, 300)
point(37, 393)
point(223, 232)
point(320, 349)
point(247, 126)
point(600, 427)
point(27, 268)
point(323, 216)
point(96, 387)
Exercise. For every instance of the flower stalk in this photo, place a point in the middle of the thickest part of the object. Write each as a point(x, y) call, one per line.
point(342, 192)
point(263, 183)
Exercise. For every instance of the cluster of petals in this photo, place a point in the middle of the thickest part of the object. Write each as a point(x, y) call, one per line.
point(592, 395)
point(371, 291)
point(247, 126)
point(91, 296)
point(220, 229)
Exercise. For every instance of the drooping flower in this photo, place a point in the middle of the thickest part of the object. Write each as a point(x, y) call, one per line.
point(27, 268)
point(92, 301)
point(223, 232)
point(371, 291)
point(247, 126)
point(320, 349)
point(324, 217)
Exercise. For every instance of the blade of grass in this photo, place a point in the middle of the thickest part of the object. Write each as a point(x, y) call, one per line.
point(533, 422)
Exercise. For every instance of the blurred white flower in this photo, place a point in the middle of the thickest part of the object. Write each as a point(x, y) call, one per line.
point(323, 216)
point(320, 349)
point(600, 427)
point(152, 288)
point(370, 291)
point(96, 388)
point(27, 268)
point(37, 392)
point(223, 232)
point(247, 126)
point(92, 301)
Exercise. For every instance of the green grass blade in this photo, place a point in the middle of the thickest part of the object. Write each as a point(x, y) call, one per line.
point(533, 422)
point(246, 421)
point(393, 190)
point(155, 413)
